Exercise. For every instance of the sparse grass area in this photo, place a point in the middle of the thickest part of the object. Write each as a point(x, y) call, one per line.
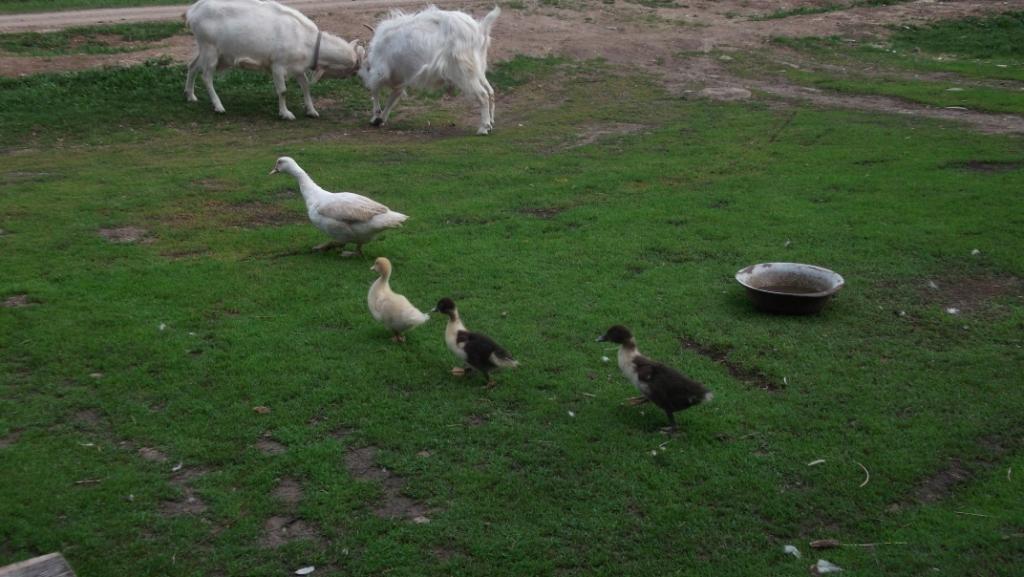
point(826, 6)
point(169, 343)
point(972, 63)
point(90, 39)
point(18, 6)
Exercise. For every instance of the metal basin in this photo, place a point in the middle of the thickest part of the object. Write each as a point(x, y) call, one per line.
point(789, 288)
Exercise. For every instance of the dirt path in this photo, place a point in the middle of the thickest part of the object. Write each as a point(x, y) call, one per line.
point(674, 43)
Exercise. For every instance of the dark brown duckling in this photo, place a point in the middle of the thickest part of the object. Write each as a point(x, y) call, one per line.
point(475, 349)
point(664, 386)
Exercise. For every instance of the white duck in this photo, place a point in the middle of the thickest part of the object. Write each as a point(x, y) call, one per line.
point(389, 308)
point(344, 216)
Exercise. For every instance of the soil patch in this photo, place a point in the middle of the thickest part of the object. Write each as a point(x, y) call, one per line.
point(543, 213)
point(125, 234)
point(17, 301)
point(361, 464)
point(475, 420)
point(971, 294)
point(88, 418)
point(940, 485)
point(154, 455)
point(9, 439)
point(988, 165)
point(189, 503)
point(594, 132)
point(288, 491)
point(279, 530)
point(750, 376)
point(270, 447)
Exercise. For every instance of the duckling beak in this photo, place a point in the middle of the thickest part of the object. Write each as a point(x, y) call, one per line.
point(373, 268)
point(433, 310)
point(601, 339)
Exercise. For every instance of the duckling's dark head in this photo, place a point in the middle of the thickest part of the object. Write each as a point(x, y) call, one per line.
point(616, 334)
point(445, 306)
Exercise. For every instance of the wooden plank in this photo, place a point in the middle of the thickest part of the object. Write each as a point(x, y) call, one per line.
point(52, 565)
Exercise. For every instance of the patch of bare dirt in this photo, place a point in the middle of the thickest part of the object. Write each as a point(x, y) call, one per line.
point(243, 215)
point(475, 420)
point(593, 132)
point(988, 166)
point(281, 530)
point(269, 446)
point(154, 455)
point(342, 432)
point(185, 254)
point(288, 491)
point(88, 418)
point(10, 439)
point(748, 375)
point(361, 464)
point(125, 234)
point(543, 213)
point(17, 301)
point(939, 485)
point(972, 294)
point(189, 503)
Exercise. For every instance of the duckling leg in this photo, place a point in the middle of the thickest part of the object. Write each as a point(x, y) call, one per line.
point(634, 401)
point(671, 428)
point(398, 338)
point(491, 383)
point(459, 371)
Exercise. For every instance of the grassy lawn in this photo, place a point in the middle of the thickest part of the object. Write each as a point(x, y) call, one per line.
point(17, 6)
point(90, 39)
point(974, 63)
point(132, 358)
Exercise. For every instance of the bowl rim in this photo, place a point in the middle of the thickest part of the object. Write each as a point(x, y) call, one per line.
point(746, 271)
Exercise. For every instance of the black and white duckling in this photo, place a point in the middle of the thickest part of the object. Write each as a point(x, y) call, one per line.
point(346, 217)
point(476, 350)
point(664, 386)
point(390, 308)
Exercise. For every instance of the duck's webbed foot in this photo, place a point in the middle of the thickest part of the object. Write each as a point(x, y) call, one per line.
point(328, 246)
point(357, 252)
point(398, 338)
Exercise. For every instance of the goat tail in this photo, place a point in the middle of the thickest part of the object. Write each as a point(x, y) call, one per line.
point(488, 21)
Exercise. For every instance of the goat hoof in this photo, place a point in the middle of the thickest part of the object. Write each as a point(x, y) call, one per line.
point(312, 114)
point(377, 121)
point(483, 131)
point(191, 98)
point(219, 110)
point(287, 116)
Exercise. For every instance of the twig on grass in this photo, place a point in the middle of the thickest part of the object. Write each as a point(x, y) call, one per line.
point(867, 475)
point(971, 514)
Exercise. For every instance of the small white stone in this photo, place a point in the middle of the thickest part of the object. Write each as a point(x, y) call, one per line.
point(953, 310)
point(605, 359)
point(305, 570)
point(975, 252)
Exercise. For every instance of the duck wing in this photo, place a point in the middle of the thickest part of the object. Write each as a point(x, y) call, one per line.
point(669, 389)
point(482, 352)
point(350, 208)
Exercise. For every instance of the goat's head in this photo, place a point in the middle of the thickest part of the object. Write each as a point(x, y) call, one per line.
point(338, 59)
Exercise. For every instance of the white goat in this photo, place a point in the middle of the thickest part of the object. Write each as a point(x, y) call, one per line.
point(431, 49)
point(264, 35)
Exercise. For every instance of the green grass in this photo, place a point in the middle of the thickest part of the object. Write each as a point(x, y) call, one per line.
point(824, 8)
point(978, 38)
point(972, 63)
point(543, 244)
point(19, 6)
point(90, 39)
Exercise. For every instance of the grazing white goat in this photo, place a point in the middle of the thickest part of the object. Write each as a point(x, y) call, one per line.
point(431, 49)
point(263, 35)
